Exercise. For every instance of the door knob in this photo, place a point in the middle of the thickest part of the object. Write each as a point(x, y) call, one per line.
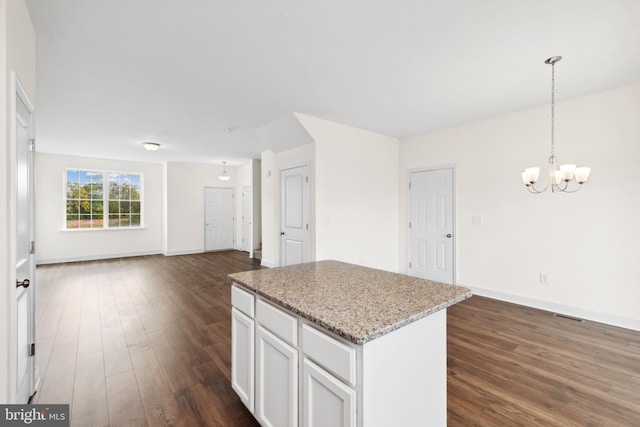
point(449, 236)
point(282, 233)
point(24, 283)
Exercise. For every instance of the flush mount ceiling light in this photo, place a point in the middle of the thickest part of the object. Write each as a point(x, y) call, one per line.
point(151, 146)
point(559, 176)
point(224, 176)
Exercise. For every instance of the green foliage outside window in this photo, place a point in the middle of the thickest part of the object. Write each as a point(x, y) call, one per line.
point(89, 207)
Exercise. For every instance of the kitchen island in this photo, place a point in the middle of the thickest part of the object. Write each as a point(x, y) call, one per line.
point(334, 344)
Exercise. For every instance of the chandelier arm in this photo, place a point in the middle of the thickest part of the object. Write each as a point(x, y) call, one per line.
point(534, 190)
point(566, 189)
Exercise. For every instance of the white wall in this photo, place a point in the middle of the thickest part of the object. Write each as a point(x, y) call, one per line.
point(271, 166)
point(587, 242)
point(270, 221)
point(356, 194)
point(184, 224)
point(55, 244)
point(17, 53)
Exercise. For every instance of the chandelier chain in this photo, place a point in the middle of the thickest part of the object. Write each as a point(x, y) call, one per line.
point(553, 105)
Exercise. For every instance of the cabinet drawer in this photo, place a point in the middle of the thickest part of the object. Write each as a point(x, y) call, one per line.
point(330, 353)
point(277, 321)
point(243, 301)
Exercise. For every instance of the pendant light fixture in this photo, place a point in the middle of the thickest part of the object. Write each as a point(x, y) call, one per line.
point(559, 176)
point(224, 176)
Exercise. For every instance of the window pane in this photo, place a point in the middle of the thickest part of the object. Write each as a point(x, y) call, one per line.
point(136, 186)
point(96, 190)
point(97, 221)
point(125, 207)
point(135, 220)
point(85, 221)
point(114, 220)
point(114, 186)
point(135, 207)
point(125, 185)
point(97, 208)
point(125, 221)
point(72, 207)
point(72, 183)
point(85, 206)
point(114, 208)
point(73, 221)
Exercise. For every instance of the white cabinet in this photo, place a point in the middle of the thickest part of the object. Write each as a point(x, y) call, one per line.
point(242, 356)
point(305, 375)
point(326, 401)
point(276, 381)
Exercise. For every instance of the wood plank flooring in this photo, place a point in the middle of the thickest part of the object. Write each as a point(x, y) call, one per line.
point(511, 365)
point(146, 342)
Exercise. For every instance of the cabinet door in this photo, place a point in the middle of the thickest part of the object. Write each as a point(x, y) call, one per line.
point(242, 356)
point(326, 401)
point(276, 381)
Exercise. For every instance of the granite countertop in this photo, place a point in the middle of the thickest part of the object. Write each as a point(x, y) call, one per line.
point(355, 302)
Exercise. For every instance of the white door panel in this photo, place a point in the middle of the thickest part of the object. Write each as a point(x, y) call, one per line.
point(431, 225)
point(295, 215)
point(219, 219)
point(26, 366)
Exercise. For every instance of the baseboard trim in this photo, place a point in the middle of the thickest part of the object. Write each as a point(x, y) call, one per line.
point(567, 310)
point(189, 252)
point(267, 264)
point(95, 257)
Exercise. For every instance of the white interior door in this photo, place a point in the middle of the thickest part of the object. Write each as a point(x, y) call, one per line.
point(26, 376)
point(431, 225)
point(294, 196)
point(219, 220)
point(247, 197)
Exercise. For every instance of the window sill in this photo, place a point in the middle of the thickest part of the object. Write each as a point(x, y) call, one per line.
point(75, 230)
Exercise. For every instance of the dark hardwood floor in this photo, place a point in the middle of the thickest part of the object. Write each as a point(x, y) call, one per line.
point(146, 341)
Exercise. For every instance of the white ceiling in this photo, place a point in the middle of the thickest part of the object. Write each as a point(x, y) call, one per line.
point(114, 73)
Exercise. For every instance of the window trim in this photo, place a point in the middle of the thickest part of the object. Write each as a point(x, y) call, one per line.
point(105, 199)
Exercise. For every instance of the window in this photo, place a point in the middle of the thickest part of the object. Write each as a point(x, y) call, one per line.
point(99, 199)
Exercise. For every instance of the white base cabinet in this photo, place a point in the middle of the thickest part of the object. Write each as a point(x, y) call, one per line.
point(326, 401)
point(242, 356)
point(309, 377)
point(276, 381)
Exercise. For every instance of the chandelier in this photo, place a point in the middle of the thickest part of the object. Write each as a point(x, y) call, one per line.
point(560, 176)
point(224, 176)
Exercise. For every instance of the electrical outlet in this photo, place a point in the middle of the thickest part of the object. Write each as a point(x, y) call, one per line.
point(544, 278)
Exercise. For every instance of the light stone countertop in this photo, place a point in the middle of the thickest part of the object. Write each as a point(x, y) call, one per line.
point(355, 302)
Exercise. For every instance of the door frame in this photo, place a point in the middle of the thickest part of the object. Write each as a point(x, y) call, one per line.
point(248, 197)
point(17, 92)
point(454, 220)
point(204, 215)
point(307, 201)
